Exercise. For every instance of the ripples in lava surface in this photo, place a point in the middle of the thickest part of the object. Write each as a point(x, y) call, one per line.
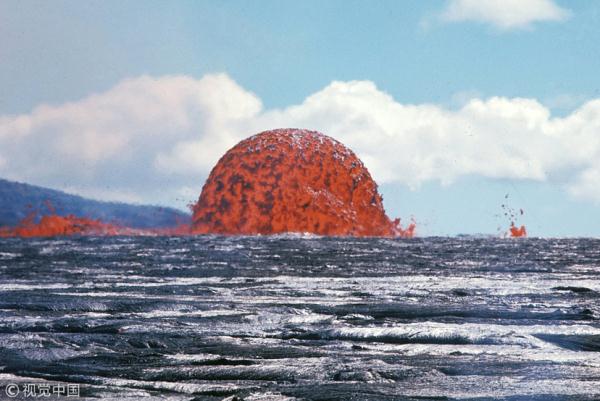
point(297, 318)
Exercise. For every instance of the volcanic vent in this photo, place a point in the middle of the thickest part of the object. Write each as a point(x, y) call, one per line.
point(292, 180)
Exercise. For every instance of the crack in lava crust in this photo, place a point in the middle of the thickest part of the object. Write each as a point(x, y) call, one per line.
point(292, 180)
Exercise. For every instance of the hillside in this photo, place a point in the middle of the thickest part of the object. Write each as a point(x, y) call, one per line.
point(17, 200)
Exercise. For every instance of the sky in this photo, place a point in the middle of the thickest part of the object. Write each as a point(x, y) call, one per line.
point(456, 107)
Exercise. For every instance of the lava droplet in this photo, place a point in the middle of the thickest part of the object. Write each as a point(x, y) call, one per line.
point(292, 180)
point(517, 232)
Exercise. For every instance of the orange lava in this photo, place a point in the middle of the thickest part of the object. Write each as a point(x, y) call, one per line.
point(408, 232)
point(517, 232)
point(285, 180)
point(513, 215)
point(54, 225)
point(292, 180)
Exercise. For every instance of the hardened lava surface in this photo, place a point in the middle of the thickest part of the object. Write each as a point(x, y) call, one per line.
point(301, 318)
point(291, 180)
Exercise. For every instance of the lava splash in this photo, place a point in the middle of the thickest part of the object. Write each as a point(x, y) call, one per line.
point(292, 180)
point(55, 225)
point(512, 214)
point(517, 232)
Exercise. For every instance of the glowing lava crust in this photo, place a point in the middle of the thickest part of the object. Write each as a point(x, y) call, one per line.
point(292, 180)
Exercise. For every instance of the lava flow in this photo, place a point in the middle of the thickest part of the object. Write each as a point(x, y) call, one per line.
point(54, 225)
point(292, 180)
point(285, 180)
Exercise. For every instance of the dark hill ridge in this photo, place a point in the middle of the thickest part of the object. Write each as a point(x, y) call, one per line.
point(18, 199)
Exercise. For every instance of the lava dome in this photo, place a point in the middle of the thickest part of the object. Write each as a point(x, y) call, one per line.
point(291, 180)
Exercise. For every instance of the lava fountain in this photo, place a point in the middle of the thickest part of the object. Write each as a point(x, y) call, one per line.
point(292, 180)
point(284, 180)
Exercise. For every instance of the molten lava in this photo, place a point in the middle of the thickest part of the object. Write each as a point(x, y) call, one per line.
point(285, 180)
point(513, 230)
point(292, 180)
point(54, 225)
point(517, 232)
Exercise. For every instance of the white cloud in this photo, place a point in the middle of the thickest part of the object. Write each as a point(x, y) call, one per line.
point(504, 14)
point(116, 139)
point(156, 139)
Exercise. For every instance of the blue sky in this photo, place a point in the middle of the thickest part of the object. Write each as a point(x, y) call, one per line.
point(112, 75)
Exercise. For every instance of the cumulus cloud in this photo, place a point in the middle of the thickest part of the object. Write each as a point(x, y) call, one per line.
point(120, 141)
point(156, 139)
point(504, 14)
